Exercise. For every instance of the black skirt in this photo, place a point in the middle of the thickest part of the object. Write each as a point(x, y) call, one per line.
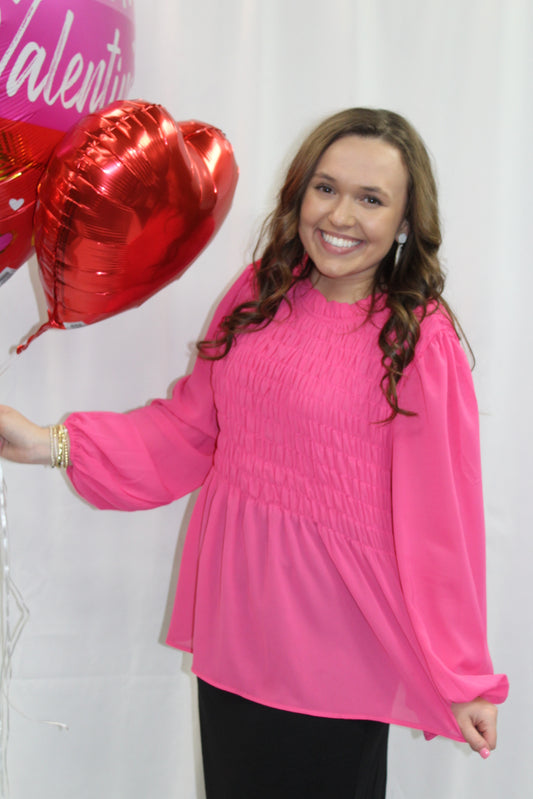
point(251, 751)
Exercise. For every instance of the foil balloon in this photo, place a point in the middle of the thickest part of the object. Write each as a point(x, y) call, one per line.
point(59, 61)
point(128, 200)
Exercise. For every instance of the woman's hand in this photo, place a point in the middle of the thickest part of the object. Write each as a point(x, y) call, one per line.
point(477, 722)
point(21, 440)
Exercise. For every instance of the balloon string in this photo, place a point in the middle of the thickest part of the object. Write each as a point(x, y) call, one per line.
point(5, 366)
point(11, 629)
point(46, 326)
point(5, 641)
point(59, 724)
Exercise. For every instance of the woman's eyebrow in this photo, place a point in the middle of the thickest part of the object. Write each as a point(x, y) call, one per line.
point(324, 176)
point(370, 189)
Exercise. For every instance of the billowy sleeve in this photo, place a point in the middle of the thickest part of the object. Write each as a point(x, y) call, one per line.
point(155, 454)
point(438, 521)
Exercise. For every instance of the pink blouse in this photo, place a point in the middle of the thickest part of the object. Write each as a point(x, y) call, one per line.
point(333, 565)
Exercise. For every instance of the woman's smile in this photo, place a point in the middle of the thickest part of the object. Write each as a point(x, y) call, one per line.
point(352, 210)
point(334, 242)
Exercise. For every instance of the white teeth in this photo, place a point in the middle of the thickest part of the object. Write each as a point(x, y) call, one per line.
point(338, 242)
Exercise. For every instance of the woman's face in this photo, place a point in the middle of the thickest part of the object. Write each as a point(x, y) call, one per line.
point(352, 210)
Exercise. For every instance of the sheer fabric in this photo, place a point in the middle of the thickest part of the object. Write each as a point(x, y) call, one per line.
point(334, 565)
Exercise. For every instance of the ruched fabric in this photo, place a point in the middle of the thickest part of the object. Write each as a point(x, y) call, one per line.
point(334, 565)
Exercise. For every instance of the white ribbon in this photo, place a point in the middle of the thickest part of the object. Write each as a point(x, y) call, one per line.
point(14, 614)
point(11, 626)
point(6, 364)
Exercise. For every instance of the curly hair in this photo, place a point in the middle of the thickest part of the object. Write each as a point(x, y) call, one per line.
point(412, 287)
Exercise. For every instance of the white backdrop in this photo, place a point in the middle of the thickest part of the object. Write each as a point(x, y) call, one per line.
point(99, 584)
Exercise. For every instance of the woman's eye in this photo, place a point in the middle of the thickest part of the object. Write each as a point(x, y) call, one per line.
point(371, 200)
point(323, 187)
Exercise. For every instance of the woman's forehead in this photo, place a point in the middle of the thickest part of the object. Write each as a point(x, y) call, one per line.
point(364, 161)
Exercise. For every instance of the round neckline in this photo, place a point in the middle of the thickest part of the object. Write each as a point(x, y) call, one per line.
point(318, 304)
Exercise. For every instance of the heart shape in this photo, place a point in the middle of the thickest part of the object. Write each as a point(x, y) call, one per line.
point(15, 205)
point(129, 199)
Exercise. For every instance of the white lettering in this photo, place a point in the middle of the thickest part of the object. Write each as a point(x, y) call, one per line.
point(93, 76)
point(72, 73)
point(114, 51)
point(113, 93)
point(57, 58)
point(98, 98)
point(19, 34)
point(99, 83)
point(20, 72)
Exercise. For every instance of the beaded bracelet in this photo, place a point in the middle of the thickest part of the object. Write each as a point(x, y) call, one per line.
point(59, 446)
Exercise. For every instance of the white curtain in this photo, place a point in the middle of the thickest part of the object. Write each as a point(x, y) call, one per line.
point(99, 585)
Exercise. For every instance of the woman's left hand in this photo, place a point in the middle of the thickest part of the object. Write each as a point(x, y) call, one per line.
point(477, 722)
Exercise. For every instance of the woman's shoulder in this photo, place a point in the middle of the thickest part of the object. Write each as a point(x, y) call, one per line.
point(244, 283)
point(241, 289)
point(436, 319)
point(437, 331)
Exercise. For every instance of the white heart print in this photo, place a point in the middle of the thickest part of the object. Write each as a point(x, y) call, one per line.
point(16, 204)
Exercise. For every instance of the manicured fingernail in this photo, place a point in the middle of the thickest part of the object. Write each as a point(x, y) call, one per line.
point(484, 753)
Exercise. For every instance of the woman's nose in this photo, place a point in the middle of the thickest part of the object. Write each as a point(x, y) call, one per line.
point(343, 214)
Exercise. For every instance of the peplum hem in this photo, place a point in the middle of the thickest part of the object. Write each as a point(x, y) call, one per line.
point(333, 565)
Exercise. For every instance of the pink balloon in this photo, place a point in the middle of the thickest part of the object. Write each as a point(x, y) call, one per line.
point(59, 61)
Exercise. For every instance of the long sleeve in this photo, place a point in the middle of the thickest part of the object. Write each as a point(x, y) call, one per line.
point(155, 454)
point(439, 521)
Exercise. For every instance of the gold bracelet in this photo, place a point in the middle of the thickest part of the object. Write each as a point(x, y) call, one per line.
point(59, 446)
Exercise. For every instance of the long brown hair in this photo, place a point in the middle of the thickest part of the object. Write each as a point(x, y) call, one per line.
point(410, 287)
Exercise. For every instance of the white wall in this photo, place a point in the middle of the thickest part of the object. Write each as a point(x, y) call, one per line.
point(98, 584)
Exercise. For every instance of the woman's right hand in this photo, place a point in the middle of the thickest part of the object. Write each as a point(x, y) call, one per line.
point(21, 440)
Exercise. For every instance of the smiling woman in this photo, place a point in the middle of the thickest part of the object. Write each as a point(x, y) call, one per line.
point(353, 209)
point(332, 579)
point(408, 277)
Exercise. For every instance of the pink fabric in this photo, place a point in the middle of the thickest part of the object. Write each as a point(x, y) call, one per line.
point(333, 565)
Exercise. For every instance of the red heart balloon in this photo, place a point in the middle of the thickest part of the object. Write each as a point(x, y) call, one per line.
point(127, 202)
